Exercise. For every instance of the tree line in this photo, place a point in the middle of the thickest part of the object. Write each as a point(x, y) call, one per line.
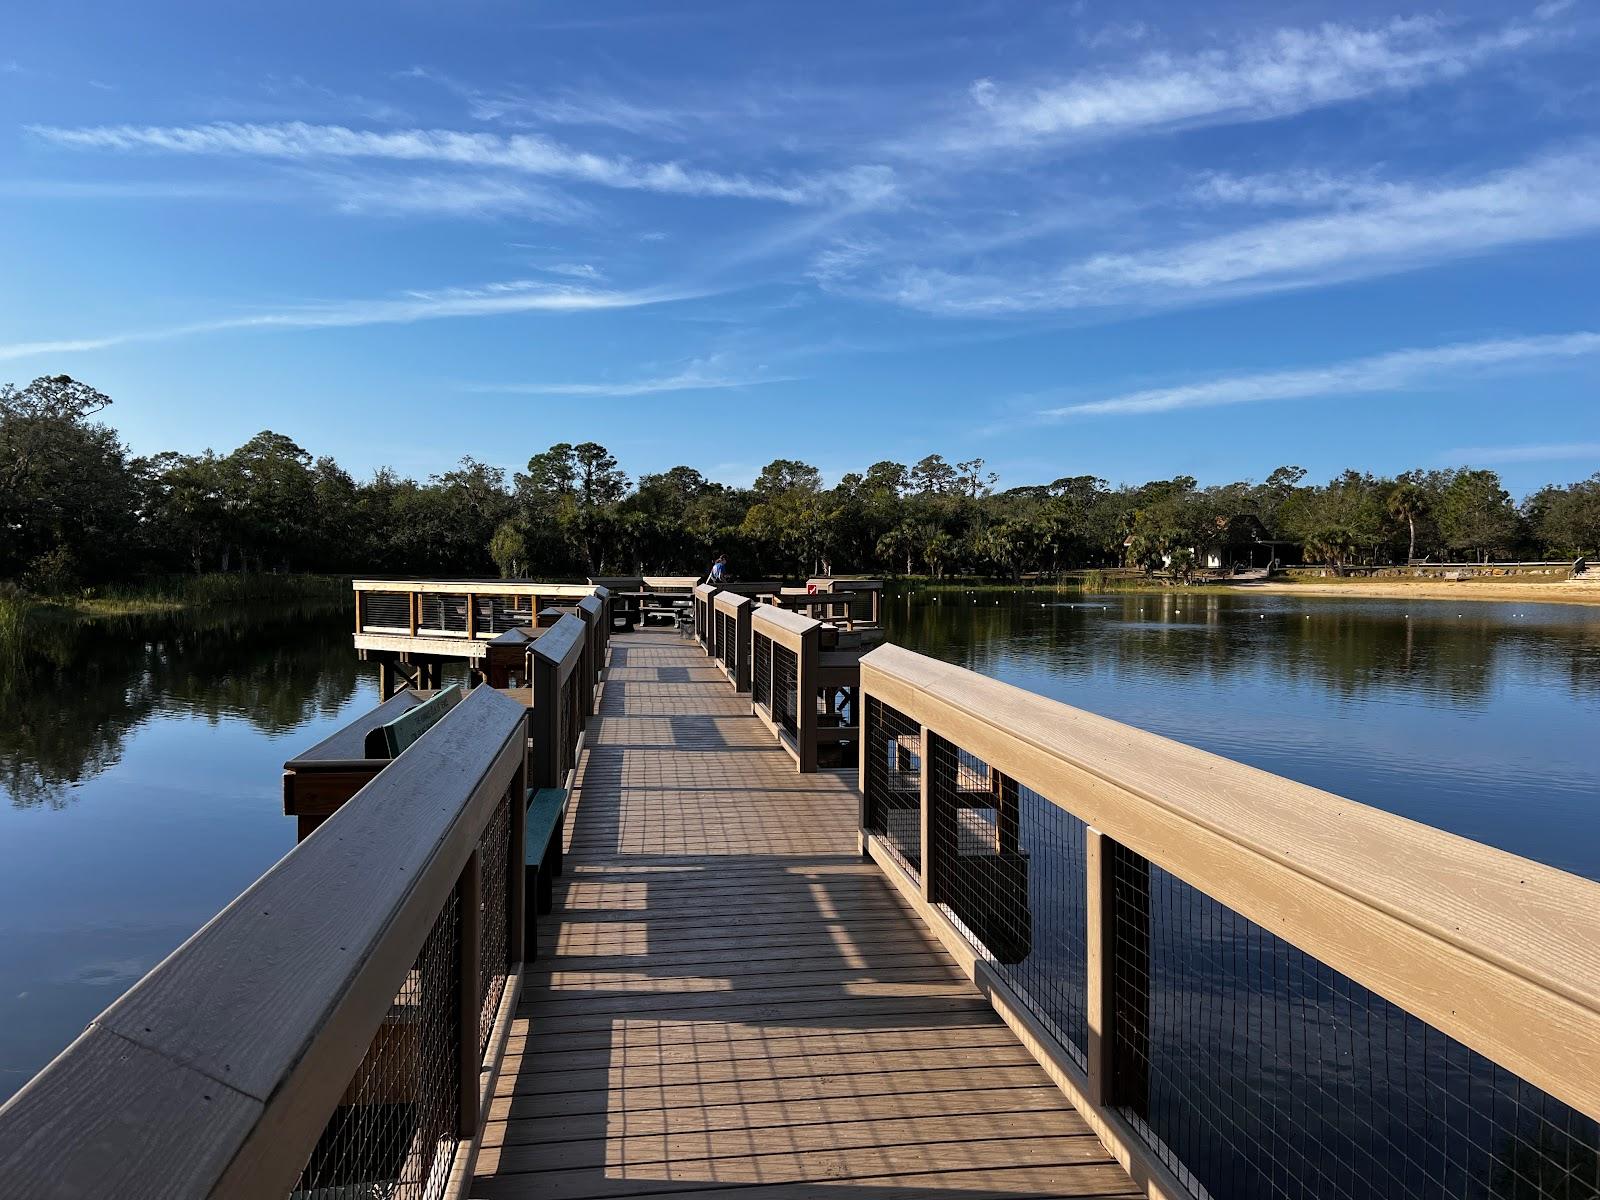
point(77, 508)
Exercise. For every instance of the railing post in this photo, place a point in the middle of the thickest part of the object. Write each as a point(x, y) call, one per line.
point(358, 612)
point(546, 723)
point(744, 643)
point(925, 812)
point(414, 607)
point(1117, 916)
point(471, 901)
point(472, 616)
point(808, 666)
point(516, 872)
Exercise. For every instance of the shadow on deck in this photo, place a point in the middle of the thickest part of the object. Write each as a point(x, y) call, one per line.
point(729, 997)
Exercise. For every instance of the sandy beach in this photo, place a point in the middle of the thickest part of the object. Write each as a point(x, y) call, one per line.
point(1540, 591)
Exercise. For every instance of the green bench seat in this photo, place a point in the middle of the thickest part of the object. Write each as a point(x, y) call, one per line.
point(541, 859)
point(389, 740)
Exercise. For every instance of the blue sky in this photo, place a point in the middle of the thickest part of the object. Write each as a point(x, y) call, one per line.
point(1128, 240)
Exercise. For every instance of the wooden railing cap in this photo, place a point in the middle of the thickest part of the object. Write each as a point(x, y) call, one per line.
point(791, 623)
point(1500, 952)
point(250, 1031)
point(563, 642)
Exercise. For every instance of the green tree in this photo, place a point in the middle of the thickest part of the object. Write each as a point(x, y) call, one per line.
point(1567, 519)
point(68, 493)
point(1406, 502)
point(270, 498)
point(509, 549)
point(1476, 515)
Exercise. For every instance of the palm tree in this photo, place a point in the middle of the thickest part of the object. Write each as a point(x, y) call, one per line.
point(1405, 503)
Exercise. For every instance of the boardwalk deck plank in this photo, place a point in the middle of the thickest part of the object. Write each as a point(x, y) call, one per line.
point(729, 1000)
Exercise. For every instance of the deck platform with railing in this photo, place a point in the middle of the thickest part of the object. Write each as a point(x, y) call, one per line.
point(732, 998)
point(832, 918)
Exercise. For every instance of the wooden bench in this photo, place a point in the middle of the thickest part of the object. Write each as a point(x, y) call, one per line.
point(547, 811)
point(317, 782)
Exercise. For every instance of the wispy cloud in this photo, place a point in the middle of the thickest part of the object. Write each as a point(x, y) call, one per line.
point(1379, 373)
point(1283, 73)
point(575, 270)
point(1554, 196)
point(472, 195)
point(1297, 188)
point(1548, 452)
point(494, 299)
point(708, 374)
point(525, 153)
point(568, 106)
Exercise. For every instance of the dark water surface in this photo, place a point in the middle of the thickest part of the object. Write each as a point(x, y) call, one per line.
point(140, 760)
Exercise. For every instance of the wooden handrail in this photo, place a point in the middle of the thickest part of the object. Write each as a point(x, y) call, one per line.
point(481, 587)
point(216, 1073)
point(786, 628)
point(1498, 952)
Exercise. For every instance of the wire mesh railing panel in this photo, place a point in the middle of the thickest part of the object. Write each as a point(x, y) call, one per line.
point(892, 799)
point(572, 724)
point(785, 689)
point(442, 612)
point(498, 614)
point(1007, 866)
point(836, 709)
point(1256, 1071)
point(761, 672)
point(386, 610)
point(393, 1134)
point(494, 853)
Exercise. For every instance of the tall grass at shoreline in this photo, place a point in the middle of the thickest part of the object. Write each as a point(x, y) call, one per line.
point(25, 615)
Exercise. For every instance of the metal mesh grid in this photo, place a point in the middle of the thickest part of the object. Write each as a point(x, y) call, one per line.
point(571, 725)
point(702, 621)
point(785, 689)
point(494, 851)
point(1008, 867)
point(837, 708)
point(728, 640)
point(497, 614)
point(394, 1132)
point(892, 796)
point(444, 612)
point(1257, 1071)
point(386, 610)
point(761, 672)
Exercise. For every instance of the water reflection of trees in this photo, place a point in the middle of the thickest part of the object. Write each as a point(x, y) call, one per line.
point(1349, 650)
point(78, 688)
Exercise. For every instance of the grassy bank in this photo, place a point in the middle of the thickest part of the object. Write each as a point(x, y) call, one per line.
point(24, 615)
point(176, 593)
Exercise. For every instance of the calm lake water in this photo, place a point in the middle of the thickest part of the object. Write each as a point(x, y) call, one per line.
point(140, 760)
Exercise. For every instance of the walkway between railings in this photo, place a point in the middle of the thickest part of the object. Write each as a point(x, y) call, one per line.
point(729, 997)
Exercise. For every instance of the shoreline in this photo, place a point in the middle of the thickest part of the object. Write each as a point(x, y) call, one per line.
point(1542, 592)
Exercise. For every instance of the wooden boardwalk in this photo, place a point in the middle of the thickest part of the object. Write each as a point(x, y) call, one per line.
point(729, 999)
